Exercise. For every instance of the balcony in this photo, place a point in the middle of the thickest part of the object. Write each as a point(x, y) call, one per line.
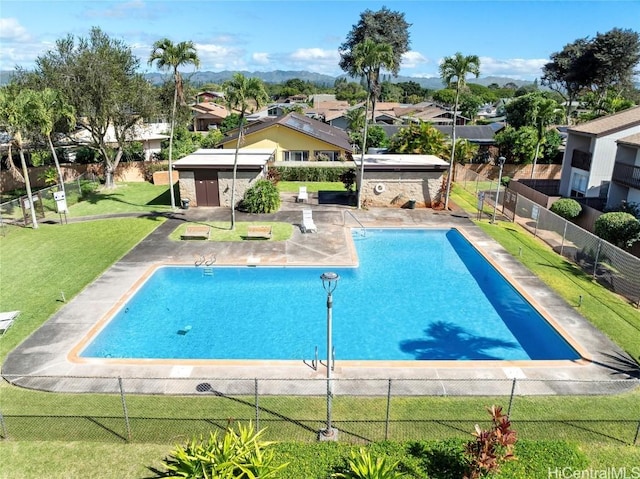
point(581, 160)
point(626, 175)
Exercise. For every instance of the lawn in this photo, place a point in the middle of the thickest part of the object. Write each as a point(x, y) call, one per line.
point(40, 268)
point(220, 230)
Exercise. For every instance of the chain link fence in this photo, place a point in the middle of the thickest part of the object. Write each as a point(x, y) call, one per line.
point(613, 267)
point(12, 211)
point(170, 410)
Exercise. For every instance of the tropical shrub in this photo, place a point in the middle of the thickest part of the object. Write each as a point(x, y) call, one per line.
point(619, 228)
point(362, 465)
point(567, 208)
point(348, 179)
point(505, 180)
point(49, 176)
point(262, 197)
point(311, 173)
point(491, 447)
point(240, 455)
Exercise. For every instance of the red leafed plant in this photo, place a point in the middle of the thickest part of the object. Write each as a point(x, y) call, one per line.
point(491, 447)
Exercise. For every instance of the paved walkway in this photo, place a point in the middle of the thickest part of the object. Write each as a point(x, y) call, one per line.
point(51, 350)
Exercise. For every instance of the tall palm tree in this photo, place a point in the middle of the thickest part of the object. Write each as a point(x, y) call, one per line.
point(170, 56)
point(458, 67)
point(369, 57)
point(238, 92)
point(16, 107)
point(52, 107)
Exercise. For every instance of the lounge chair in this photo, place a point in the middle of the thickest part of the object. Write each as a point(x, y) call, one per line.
point(302, 195)
point(308, 226)
point(6, 320)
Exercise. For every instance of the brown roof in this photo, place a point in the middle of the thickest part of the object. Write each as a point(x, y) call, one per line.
point(308, 126)
point(209, 108)
point(633, 140)
point(610, 124)
point(331, 105)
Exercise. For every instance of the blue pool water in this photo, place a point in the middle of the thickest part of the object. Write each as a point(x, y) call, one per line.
point(416, 295)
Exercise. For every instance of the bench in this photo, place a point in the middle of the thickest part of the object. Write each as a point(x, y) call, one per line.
point(259, 232)
point(196, 233)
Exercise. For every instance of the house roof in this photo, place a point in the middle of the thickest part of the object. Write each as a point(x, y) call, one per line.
point(207, 158)
point(473, 133)
point(631, 140)
point(609, 124)
point(395, 162)
point(210, 108)
point(300, 123)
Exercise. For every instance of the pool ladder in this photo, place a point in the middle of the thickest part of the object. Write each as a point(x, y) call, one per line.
point(363, 230)
point(316, 361)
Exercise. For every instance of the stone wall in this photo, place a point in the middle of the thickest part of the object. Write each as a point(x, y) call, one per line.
point(187, 186)
point(395, 189)
point(244, 180)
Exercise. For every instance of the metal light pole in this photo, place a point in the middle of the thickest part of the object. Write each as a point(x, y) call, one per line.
point(329, 283)
point(501, 161)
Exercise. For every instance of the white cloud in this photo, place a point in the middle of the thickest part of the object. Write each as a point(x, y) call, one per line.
point(413, 59)
point(261, 58)
point(517, 68)
point(313, 59)
point(12, 31)
point(217, 57)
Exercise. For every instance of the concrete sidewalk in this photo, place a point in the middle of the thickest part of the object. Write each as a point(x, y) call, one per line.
point(51, 350)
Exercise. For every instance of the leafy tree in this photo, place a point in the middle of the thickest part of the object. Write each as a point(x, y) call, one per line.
point(391, 92)
point(350, 91)
point(612, 102)
point(412, 89)
point(211, 139)
point(376, 137)
point(169, 56)
point(470, 104)
point(568, 208)
point(465, 151)
point(231, 122)
point(51, 108)
point(418, 138)
point(383, 26)
point(99, 77)
point(262, 197)
point(551, 146)
point(620, 228)
point(15, 113)
point(446, 96)
point(369, 58)
point(517, 146)
point(239, 91)
point(458, 67)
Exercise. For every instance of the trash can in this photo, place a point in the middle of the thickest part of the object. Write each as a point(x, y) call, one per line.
point(185, 204)
point(411, 204)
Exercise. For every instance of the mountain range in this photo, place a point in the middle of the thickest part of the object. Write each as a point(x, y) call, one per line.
point(280, 76)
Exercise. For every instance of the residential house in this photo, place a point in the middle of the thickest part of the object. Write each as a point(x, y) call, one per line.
point(592, 160)
point(206, 176)
point(625, 181)
point(294, 137)
point(208, 115)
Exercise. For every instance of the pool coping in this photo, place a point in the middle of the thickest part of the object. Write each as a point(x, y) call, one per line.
point(46, 352)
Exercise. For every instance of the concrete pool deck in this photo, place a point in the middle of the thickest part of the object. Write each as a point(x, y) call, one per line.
point(46, 359)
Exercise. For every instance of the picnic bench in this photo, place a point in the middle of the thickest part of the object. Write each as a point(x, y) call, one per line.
point(259, 232)
point(196, 233)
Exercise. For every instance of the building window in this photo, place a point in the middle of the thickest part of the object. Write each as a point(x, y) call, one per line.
point(579, 184)
point(296, 155)
point(326, 155)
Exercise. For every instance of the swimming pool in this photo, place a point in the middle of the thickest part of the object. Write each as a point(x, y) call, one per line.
point(416, 295)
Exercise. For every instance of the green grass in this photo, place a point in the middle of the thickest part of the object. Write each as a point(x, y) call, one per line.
point(312, 186)
point(36, 265)
point(611, 313)
point(220, 230)
point(125, 198)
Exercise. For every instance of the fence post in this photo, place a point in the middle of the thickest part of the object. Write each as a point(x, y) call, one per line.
point(256, 397)
point(386, 421)
point(124, 409)
point(595, 261)
point(564, 234)
point(513, 390)
point(635, 439)
point(4, 427)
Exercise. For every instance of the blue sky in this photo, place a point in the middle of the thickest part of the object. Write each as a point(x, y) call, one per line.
point(512, 38)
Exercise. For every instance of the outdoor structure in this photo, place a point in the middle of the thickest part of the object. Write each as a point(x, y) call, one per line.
point(294, 137)
point(208, 115)
point(592, 162)
point(625, 182)
point(401, 180)
point(206, 175)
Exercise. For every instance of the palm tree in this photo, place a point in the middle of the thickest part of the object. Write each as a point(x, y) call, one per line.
point(52, 107)
point(545, 113)
point(238, 92)
point(458, 67)
point(16, 107)
point(170, 56)
point(369, 58)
